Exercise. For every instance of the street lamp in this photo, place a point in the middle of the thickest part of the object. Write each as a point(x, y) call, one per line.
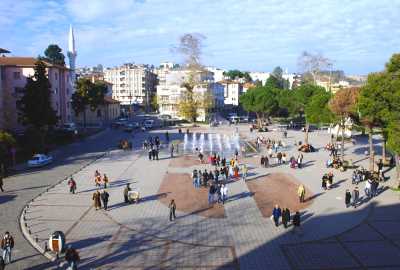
point(130, 105)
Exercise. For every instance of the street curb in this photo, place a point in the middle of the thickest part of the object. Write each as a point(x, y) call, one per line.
point(25, 228)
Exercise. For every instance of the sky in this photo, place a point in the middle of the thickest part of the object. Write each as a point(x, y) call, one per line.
point(359, 36)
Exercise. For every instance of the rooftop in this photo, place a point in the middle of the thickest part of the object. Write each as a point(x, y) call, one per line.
point(24, 62)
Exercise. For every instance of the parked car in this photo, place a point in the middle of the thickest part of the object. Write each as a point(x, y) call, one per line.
point(128, 127)
point(69, 128)
point(135, 125)
point(148, 124)
point(39, 160)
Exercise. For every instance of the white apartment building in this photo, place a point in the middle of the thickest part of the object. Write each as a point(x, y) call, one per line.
point(260, 76)
point(232, 91)
point(170, 90)
point(218, 74)
point(132, 83)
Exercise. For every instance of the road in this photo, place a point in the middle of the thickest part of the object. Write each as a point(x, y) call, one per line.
point(27, 184)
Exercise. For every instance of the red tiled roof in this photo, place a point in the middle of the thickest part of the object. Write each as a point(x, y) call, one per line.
point(24, 62)
point(110, 100)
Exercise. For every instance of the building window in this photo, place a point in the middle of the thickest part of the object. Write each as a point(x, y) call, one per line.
point(17, 75)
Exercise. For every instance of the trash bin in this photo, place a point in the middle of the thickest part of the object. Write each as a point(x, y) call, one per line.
point(57, 242)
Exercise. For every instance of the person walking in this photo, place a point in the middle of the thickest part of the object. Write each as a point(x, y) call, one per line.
point(301, 192)
point(224, 193)
point(347, 198)
point(72, 257)
point(244, 172)
point(296, 222)
point(96, 200)
point(172, 148)
point(276, 214)
point(105, 180)
point(285, 217)
point(367, 189)
point(104, 197)
point(356, 196)
point(72, 185)
point(1, 182)
point(7, 244)
point(172, 209)
point(126, 191)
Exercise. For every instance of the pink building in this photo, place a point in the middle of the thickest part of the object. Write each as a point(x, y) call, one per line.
point(14, 72)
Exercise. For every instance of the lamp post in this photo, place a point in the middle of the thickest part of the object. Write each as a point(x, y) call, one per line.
point(130, 105)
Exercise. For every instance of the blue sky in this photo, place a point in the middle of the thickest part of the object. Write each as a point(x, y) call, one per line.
point(358, 35)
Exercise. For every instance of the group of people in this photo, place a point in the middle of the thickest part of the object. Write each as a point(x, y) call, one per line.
point(327, 181)
point(103, 196)
point(152, 145)
point(285, 216)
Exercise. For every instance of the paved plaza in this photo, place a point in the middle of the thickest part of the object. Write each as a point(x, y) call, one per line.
point(239, 236)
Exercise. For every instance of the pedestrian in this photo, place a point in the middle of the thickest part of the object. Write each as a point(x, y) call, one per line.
point(367, 189)
point(211, 192)
point(172, 209)
point(1, 182)
point(72, 185)
point(374, 188)
point(105, 180)
point(244, 172)
point(72, 257)
point(194, 177)
point(224, 193)
point(96, 200)
point(2, 264)
point(276, 214)
point(150, 153)
point(296, 222)
point(284, 158)
point(172, 148)
point(324, 181)
point(7, 244)
point(167, 137)
point(285, 217)
point(104, 198)
point(301, 192)
point(356, 196)
point(347, 198)
point(126, 191)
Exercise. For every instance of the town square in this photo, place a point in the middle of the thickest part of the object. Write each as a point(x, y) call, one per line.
point(201, 161)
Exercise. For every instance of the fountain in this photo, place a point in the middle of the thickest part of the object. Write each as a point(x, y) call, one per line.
point(208, 143)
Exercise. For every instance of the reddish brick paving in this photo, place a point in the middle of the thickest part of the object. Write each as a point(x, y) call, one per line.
point(179, 187)
point(184, 161)
point(277, 188)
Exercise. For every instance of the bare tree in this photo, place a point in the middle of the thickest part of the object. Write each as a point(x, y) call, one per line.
point(313, 63)
point(190, 47)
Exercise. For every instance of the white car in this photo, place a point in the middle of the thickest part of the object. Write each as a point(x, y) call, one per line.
point(39, 160)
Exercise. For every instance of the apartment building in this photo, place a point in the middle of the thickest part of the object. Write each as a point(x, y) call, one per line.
point(170, 90)
point(14, 72)
point(132, 83)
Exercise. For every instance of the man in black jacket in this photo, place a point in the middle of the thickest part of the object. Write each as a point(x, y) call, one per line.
point(104, 197)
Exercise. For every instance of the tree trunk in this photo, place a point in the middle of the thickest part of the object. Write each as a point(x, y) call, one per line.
point(384, 148)
point(397, 162)
point(307, 127)
point(371, 150)
point(342, 147)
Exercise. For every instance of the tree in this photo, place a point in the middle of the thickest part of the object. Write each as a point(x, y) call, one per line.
point(34, 108)
point(87, 94)
point(190, 47)
point(374, 105)
point(263, 101)
point(317, 110)
point(6, 141)
point(54, 55)
point(313, 64)
point(237, 74)
point(343, 105)
point(302, 96)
